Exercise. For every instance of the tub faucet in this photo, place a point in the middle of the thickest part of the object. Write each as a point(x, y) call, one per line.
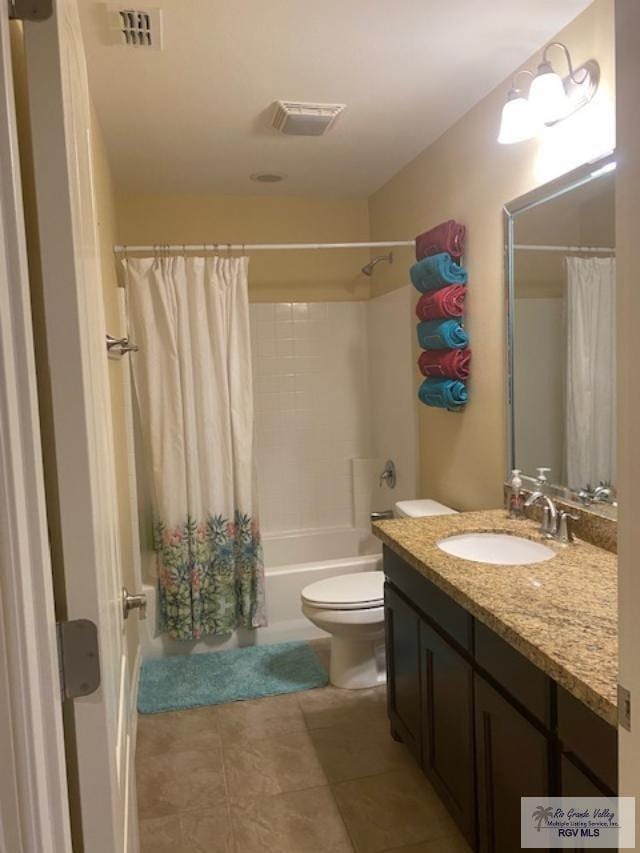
point(388, 474)
point(549, 526)
point(381, 515)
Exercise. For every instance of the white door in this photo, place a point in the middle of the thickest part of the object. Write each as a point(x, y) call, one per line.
point(34, 813)
point(82, 420)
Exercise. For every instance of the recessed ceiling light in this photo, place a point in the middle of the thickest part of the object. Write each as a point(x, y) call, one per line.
point(267, 177)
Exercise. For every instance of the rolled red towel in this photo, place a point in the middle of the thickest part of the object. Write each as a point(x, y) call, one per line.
point(446, 237)
point(447, 302)
point(449, 363)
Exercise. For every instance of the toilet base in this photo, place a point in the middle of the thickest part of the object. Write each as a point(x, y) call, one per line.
point(356, 664)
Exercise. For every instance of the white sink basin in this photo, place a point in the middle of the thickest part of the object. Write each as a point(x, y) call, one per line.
point(498, 548)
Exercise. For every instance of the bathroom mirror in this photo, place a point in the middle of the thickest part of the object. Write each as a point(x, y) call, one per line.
point(561, 277)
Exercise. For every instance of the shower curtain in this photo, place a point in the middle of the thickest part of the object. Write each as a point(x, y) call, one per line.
point(193, 387)
point(591, 371)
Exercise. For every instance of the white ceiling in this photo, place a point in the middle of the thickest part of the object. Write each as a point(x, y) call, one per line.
point(195, 116)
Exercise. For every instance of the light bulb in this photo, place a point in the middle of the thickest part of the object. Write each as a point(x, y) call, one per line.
point(518, 120)
point(547, 95)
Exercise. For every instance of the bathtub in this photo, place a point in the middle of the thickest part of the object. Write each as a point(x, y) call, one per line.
point(292, 561)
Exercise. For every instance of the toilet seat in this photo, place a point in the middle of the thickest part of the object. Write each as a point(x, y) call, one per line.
point(356, 591)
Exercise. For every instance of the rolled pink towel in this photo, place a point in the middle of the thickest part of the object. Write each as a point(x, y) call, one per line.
point(437, 304)
point(449, 364)
point(446, 237)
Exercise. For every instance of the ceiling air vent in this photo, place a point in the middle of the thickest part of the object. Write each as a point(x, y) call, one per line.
point(135, 27)
point(299, 119)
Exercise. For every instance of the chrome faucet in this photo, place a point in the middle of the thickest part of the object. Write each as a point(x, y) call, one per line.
point(602, 493)
point(388, 474)
point(564, 534)
point(549, 526)
point(555, 524)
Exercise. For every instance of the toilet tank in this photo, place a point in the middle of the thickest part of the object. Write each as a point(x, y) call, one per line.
point(421, 508)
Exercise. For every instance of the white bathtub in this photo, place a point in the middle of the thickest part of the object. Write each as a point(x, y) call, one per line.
point(292, 561)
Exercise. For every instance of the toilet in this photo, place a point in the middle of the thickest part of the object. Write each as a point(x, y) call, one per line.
point(351, 608)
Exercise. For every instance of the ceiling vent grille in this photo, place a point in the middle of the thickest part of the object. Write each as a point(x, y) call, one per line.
point(135, 27)
point(300, 119)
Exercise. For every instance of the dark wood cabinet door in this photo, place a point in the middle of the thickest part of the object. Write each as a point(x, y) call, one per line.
point(447, 727)
point(402, 632)
point(512, 762)
point(575, 783)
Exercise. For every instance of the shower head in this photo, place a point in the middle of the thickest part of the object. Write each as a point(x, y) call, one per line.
point(367, 269)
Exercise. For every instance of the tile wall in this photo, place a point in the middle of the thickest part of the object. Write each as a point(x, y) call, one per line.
point(312, 398)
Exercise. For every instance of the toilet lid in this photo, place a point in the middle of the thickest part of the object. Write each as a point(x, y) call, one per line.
point(347, 592)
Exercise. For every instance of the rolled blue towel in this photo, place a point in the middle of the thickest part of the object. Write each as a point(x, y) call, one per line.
point(443, 393)
point(437, 271)
point(442, 334)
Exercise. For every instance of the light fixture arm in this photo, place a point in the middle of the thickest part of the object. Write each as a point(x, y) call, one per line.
point(514, 86)
point(568, 58)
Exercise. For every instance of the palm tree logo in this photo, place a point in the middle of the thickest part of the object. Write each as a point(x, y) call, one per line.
point(542, 813)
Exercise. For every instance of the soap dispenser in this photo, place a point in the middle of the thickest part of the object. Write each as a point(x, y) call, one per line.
point(516, 501)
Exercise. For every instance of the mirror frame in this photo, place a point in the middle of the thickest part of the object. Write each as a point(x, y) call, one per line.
point(546, 192)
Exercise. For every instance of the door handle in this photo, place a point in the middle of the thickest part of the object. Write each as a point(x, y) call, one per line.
point(133, 602)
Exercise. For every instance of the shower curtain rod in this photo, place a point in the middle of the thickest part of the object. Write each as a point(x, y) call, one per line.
point(532, 248)
point(256, 247)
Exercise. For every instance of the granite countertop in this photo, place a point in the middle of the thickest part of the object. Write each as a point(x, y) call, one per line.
point(561, 614)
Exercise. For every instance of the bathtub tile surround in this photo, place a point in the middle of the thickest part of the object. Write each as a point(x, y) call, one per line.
point(286, 784)
point(569, 627)
point(312, 410)
point(394, 415)
point(332, 402)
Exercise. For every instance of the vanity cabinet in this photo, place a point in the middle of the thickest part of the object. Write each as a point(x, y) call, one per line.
point(485, 724)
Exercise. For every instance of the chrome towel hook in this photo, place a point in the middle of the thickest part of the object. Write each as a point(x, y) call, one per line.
point(117, 347)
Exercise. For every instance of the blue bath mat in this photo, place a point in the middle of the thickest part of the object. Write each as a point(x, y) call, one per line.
point(213, 678)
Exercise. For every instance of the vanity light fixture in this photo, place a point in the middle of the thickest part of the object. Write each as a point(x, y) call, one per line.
point(519, 121)
point(551, 98)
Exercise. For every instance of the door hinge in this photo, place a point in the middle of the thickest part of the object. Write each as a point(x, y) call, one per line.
point(30, 10)
point(78, 658)
point(624, 707)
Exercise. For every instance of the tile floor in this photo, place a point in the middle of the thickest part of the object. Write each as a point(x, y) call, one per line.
point(309, 772)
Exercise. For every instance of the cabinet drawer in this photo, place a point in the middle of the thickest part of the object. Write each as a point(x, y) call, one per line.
point(435, 604)
point(525, 682)
point(589, 738)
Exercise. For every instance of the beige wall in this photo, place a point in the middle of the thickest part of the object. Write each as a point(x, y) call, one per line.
point(275, 276)
point(466, 175)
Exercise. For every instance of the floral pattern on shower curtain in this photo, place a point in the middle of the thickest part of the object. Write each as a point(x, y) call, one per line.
point(193, 387)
